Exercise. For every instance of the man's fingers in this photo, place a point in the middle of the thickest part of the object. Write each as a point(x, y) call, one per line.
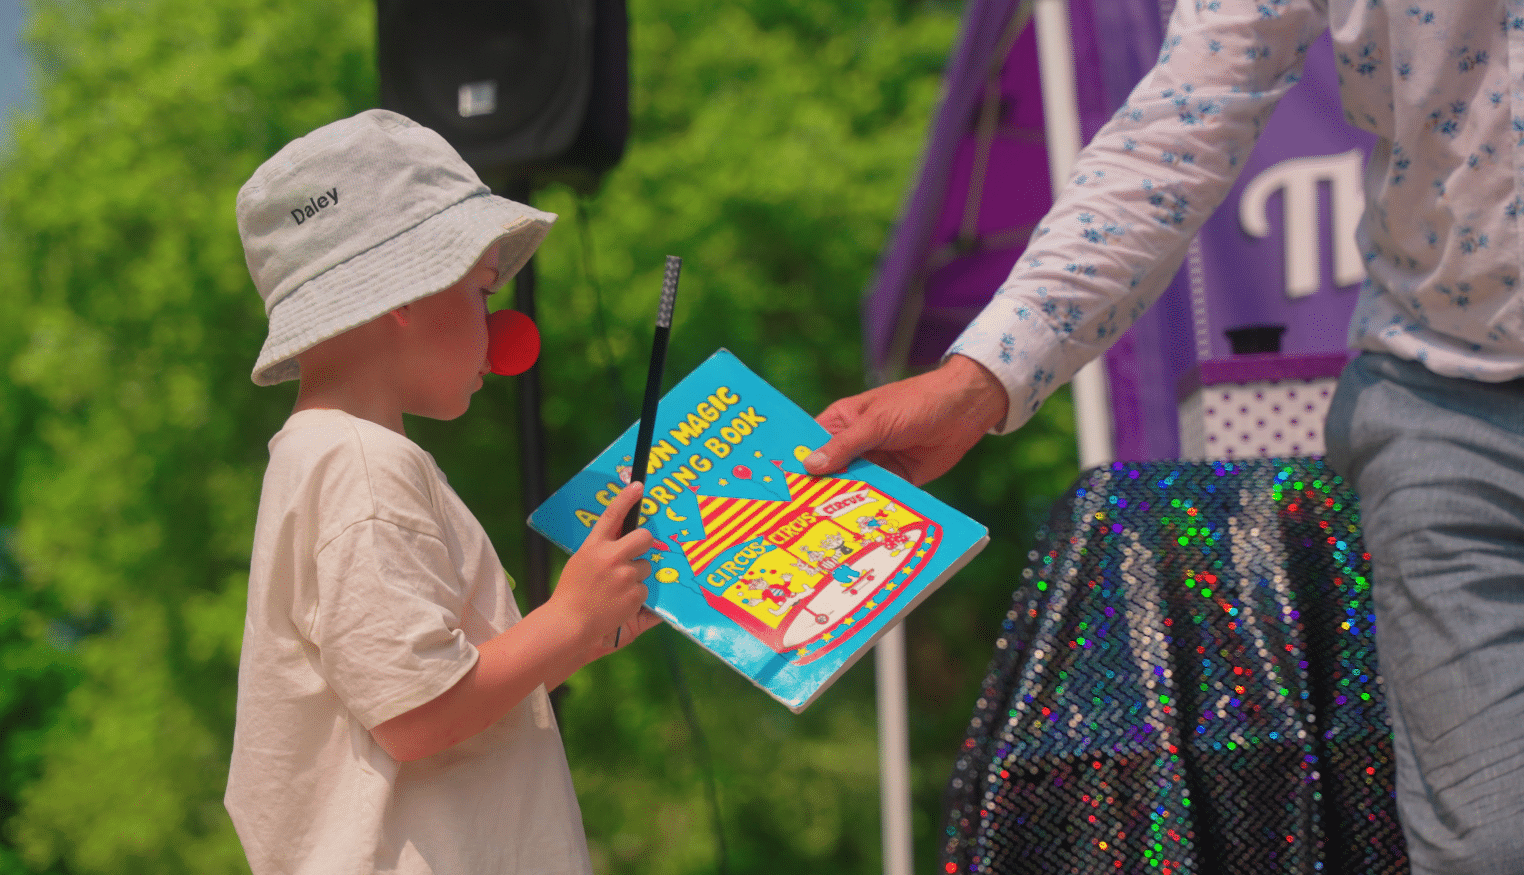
point(835, 417)
point(844, 446)
point(823, 460)
point(890, 462)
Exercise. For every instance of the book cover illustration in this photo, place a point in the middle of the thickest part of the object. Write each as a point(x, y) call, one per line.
point(787, 577)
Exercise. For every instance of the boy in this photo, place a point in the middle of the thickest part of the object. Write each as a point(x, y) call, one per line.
point(392, 713)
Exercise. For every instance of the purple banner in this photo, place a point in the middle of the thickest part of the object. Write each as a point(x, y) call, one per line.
point(1279, 251)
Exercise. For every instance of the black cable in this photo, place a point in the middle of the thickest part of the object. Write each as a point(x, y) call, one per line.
point(700, 743)
point(622, 409)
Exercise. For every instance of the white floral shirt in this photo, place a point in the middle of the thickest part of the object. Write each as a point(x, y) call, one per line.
point(1441, 84)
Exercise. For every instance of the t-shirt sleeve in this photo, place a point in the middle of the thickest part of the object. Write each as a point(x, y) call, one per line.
point(387, 623)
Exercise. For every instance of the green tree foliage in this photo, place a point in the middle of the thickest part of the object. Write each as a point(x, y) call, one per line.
point(773, 143)
point(35, 674)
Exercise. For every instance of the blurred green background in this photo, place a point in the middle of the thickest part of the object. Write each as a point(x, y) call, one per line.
point(773, 144)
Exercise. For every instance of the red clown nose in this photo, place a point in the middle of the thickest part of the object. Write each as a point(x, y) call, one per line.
point(513, 342)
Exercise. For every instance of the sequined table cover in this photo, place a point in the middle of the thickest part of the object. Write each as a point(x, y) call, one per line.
point(1185, 682)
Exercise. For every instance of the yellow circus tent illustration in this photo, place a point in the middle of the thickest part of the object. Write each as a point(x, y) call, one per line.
point(803, 573)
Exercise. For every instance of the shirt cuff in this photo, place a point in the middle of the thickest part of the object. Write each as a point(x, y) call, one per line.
point(1016, 344)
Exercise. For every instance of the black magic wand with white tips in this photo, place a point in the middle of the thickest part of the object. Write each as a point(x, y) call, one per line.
point(642, 457)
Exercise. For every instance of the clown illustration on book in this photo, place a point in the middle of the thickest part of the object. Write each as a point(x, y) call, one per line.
point(795, 550)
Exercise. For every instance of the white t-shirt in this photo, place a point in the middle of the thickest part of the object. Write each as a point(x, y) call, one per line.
point(371, 586)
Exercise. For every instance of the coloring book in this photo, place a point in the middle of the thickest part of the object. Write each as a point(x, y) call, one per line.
point(787, 577)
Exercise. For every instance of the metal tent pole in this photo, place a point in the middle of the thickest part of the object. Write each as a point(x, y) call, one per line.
point(893, 749)
point(1055, 58)
point(1092, 413)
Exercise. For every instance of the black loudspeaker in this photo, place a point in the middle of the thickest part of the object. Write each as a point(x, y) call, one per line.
point(526, 90)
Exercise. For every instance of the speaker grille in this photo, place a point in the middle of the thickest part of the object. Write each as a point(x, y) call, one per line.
point(519, 70)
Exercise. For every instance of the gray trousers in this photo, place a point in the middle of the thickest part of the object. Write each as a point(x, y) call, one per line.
point(1439, 467)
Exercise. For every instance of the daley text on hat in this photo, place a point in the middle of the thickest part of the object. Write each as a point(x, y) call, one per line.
point(327, 199)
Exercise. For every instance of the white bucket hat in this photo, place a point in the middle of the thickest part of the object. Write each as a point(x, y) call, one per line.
point(360, 217)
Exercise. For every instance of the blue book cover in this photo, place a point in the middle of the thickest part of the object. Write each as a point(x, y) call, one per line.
point(787, 577)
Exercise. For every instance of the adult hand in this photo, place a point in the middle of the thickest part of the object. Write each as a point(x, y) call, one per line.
point(917, 427)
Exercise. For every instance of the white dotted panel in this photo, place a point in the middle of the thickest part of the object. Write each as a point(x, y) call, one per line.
point(1255, 420)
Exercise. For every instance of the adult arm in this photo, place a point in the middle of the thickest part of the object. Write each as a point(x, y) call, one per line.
point(1114, 238)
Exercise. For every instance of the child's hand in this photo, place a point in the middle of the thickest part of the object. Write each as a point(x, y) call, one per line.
point(628, 631)
point(601, 586)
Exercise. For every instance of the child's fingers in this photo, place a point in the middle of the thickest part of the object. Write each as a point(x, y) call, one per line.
point(612, 521)
point(636, 543)
point(644, 619)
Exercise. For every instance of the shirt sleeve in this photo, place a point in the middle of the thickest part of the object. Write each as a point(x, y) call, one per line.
point(387, 624)
point(1139, 191)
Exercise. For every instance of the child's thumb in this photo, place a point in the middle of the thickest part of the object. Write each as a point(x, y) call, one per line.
point(610, 524)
